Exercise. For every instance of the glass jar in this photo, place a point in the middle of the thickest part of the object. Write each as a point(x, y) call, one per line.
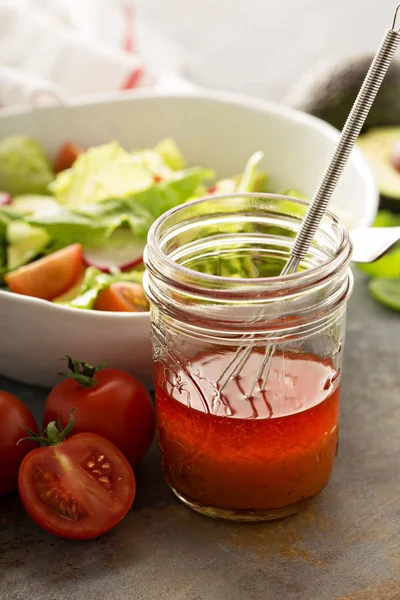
point(247, 362)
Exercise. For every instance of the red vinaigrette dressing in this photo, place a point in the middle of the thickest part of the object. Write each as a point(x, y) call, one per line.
point(268, 452)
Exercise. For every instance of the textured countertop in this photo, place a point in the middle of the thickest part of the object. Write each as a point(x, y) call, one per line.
point(346, 546)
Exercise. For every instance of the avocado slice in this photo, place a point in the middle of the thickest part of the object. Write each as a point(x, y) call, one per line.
point(25, 242)
point(329, 90)
point(25, 167)
point(381, 147)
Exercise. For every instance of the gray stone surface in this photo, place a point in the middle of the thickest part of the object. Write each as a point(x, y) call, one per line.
point(345, 546)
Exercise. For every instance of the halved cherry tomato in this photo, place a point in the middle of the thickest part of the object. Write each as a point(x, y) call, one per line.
point(122, 297)
point(110, 402)
point(67, 155)
point(49, 276)
point(77, 489)
point(13, 416)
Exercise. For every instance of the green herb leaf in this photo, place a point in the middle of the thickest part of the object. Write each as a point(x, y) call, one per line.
point(386, 291)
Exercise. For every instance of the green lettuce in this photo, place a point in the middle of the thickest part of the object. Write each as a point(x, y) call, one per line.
point(171, 154)
point(101, 173)
point(153, 162)
point(249, 178)
point(92, 225)
point(388, 266)
point(166, 195)
point(142, 179)
point(386, 218)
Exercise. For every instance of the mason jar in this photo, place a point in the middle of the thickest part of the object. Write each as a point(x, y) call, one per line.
point(247, 362)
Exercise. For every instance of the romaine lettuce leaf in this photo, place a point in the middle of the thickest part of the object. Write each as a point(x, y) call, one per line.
point(386, 218)
point(226, 186)
point(294, 194)
point(168, 194)
point(171, 154)
point(387, 267)
point(107, 172)
point(249, 178)
point(153, 162)
point(67, 227)
point(92, 225)
point(101, 173)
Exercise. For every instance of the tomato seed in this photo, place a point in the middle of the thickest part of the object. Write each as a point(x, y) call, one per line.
point(106, 466)
point(90, 464)
point(104, 480)
point(101, 458)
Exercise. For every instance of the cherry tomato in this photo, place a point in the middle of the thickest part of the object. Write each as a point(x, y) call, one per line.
point(122, 297)
point(67, 155)
point(77, 489)
point(109, 402)
point(49, 276)
point(13, 415)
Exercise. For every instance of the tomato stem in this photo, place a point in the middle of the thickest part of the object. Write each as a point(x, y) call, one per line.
point(55, 435)
point(82, 372)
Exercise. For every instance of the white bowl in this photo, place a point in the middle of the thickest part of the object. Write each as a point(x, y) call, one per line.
point(213, 129)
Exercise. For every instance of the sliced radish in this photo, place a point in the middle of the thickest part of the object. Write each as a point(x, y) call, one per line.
point(31, 203)
point(5, 199)
point(120, 253)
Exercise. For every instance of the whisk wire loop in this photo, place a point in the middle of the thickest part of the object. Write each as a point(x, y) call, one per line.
point(324, 192)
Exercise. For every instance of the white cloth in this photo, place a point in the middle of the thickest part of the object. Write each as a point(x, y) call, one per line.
point(62, 48)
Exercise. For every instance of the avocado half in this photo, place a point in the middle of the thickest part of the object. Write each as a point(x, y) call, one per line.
point(381, 147)
point(329, 91)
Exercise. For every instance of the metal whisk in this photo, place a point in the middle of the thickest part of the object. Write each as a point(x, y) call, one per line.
point(317, 208)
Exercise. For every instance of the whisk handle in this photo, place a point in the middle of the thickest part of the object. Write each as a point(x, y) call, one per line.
point(347, 140)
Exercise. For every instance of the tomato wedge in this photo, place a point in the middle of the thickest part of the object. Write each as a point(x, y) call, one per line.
point(67, 155)
point(122, 297)
point(49, 276)
point(77, 489)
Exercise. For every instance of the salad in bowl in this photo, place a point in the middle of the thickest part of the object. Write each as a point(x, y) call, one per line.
point(77, 217)
point(73, 232)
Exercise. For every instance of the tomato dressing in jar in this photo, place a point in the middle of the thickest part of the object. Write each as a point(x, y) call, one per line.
point(232, 453)
point(238, 449)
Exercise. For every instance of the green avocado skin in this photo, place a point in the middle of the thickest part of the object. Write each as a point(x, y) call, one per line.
point(392, 204)
point(24, 166)
point(329, 91)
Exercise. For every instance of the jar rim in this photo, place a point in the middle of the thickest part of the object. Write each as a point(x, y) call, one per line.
point(314, 273)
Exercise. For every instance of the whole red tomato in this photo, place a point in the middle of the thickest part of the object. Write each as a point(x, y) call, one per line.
point(110, 402)
point(77, 488)
point(13, 415)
